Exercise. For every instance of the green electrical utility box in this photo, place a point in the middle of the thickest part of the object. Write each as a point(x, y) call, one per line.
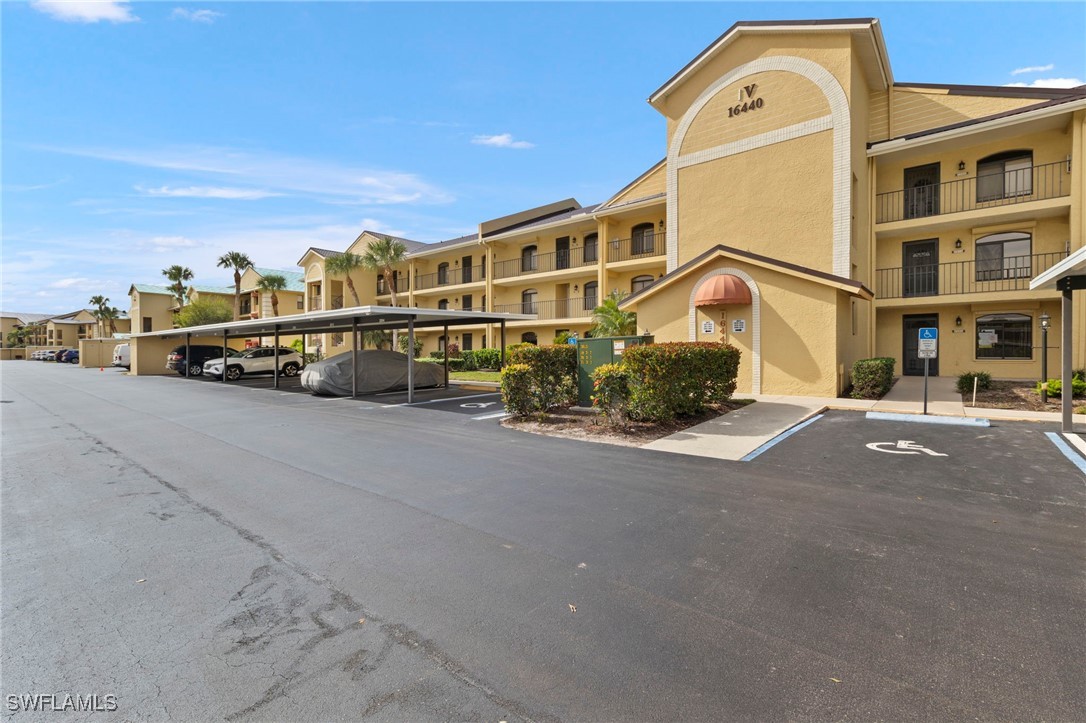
point(592, 353)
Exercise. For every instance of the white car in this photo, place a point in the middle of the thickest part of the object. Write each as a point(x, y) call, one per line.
point(260, 360)
point(122, 356)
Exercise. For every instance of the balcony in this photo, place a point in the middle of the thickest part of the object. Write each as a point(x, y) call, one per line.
point(1011, 273)
point(576, 308)
point(573, 258)
point(450, 277)
point(316, 303)
point(383, 288)
point(638, 247)
point(1035, 183)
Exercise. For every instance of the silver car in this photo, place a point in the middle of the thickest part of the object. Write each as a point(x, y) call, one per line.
point(260, 360)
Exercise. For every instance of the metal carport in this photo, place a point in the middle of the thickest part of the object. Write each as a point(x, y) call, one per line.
point(354, 319)
point(1067, 276)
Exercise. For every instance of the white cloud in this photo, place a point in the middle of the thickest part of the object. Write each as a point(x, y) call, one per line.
point(1047, 83)
point(69, 283)
point(86, 11)
point(233, 194)
point(324, 179)
point(1032, 69)
point(162, 244)
point(196, 16)
point(502, 140)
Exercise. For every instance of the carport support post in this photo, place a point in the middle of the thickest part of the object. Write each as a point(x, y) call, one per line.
point(275, 370)
point(503, 344)
point(1067, 392)
point(188, 339)
point(223, 356)
point(446, 333)
point(354, 358)
point(411, 359)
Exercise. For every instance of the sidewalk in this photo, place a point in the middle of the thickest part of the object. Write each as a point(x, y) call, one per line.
point(737, 434)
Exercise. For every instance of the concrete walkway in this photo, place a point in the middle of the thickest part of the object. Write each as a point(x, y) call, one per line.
point(737, 434)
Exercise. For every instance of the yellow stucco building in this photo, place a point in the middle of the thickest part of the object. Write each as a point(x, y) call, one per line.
point(809, 210)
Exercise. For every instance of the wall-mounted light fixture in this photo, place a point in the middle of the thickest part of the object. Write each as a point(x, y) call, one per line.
point(575, 287)
point(661, 224)
point(958, 244)
point(961, 165)
point(958, 321)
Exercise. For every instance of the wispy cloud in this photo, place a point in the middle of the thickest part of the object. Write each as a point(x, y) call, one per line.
point(223, 192)
point(86, 11)
point(1032, 69)
point(502, 140)
point(195, 16)
point(162, 244)
point(284, 174)
point(79, 283)
point(16, 188)
point(1048, 83)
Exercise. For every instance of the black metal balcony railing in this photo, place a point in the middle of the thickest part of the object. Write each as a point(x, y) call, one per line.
point(383, 287)
point(576, 308)
point(1035, 183)
point(638, 247)
point(1010, 273)
point(449, 277)
point(541, 263)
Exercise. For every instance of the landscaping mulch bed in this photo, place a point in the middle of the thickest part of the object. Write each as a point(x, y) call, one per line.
point(593, 427)
point(1015, 395)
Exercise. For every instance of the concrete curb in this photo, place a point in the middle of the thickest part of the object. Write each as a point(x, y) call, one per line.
point(929, 419)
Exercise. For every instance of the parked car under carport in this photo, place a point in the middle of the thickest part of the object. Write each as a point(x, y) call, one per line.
point(376, 371)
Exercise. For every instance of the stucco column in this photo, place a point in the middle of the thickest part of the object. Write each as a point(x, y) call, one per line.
point(603, 242)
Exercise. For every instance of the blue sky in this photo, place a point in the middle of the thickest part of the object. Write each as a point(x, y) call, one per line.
point(137, 136)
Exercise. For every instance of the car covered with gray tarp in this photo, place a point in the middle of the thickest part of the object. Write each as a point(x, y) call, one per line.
point(378, 371)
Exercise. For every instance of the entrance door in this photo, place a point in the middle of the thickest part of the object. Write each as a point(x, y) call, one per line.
point(922, 191)
point(911, 324)
point(920, 268)
point(561, 246)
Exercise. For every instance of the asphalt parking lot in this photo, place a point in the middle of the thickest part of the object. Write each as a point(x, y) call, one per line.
point(218, 552)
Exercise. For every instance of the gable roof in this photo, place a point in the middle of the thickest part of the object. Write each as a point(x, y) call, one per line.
point(295, 279)
point(24, 318)
point(849, 286)
point(652, 169)
point(150, 289)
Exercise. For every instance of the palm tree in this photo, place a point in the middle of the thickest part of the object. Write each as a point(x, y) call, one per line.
point(178, 275)
point(610, 320)
point(100, 303)
point(381, 256)
point(343, 265)
point(376, 339)
point(271, 284)
point(238, 262)
point(109, 314)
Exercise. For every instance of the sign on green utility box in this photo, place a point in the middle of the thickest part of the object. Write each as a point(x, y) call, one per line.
point(592, 353)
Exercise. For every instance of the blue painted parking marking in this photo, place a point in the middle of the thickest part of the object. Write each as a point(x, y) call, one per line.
point(781, 437)
point(1065, 449)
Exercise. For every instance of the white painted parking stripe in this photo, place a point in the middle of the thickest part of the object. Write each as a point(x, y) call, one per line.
point(454, 399)
point(495, 415)
point(1077, 441)
point(1067, 452)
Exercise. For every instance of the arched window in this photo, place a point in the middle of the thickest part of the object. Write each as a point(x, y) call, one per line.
point(591, 295)
point(528, 301)
point(641, 282)
point(443, 304)
point(528, 260)
point(1005, 336)
point(1005, 175)
point(442, 274)
point(1003, 256)
point(529, 337)
point(642, 239)
point(591, 248)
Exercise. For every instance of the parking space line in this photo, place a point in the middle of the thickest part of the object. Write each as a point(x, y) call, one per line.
point(495, 415)
point(781, 437)
point(1077, 441)
point(929, 419)
point(1067, 452)
point(453, 399)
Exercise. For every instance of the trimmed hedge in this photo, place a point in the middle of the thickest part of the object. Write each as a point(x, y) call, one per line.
point(470, 364)
point(872, 378)
point(965, 381)
point(1055, 387)
point(680, 378)
point(487, 358)
point(542, 378)
point(611, 392)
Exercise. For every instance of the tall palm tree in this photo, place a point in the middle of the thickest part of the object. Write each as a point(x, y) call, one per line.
point(271, 284)
point(100, 303)
point(381, 256)
point(109, 314)
point(610, 320)
point(343, 265)
point(178, 275)
point(238, 262)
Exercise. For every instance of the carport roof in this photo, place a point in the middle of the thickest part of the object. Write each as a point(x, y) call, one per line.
point(339, 320)
point(1073, 265)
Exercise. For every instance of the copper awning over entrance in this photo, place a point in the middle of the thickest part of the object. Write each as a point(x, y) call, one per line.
point(723, 289)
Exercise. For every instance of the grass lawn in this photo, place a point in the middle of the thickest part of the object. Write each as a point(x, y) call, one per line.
point(475, 376)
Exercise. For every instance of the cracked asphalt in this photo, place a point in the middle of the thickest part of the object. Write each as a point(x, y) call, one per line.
point(224, 553)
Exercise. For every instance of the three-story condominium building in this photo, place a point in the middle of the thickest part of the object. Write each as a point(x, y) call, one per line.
point(810, 210)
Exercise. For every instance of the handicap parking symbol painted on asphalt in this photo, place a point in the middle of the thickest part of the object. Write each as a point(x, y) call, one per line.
point(478, 405)
point(903, 446)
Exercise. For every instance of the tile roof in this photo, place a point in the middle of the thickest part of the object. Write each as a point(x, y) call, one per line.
point(152, 289)
point(564, 216)
point(208, 289)
point(24, 318)
point(295, 279)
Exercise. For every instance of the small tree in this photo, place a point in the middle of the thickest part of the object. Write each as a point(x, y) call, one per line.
point(238, 262)
point(382, 255)
point(100, 303)
point(344, 265)
point(178, 275)
point(204, 311)
point(610, 320)
point(271, 284)
point(110, 314)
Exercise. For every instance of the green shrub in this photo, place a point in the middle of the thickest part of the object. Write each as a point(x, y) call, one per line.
point(562, 338)
point(437, 354)
point(403, 346)
point(678, 379)
point(965, 381)
point(488, 358)
point(1078, 374)
point(1055, 387)
point(456, 363)
point(872, 378)
point(611, 392)
point(517, 389)
point(470, 364)
point(550, 377)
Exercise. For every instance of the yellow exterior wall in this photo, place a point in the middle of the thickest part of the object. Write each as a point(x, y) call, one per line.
point(653, 183)
point(149, 353)
point(155, 306)
point(96, 352)
point(917, 109)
